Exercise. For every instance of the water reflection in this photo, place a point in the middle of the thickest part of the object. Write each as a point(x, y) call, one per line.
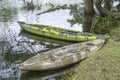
point(45, 40)
point(60, 18)
point(12, 72)
point(16, 46)
point(9, 71)
point(46, 75)
point(8, 11)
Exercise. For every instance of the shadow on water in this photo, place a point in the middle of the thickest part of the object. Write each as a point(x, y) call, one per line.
point(45, 40)
point(46, 75)
point(9, 69)
point(11, 72)
point(17, 46)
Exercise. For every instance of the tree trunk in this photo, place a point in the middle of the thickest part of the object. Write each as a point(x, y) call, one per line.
point(118, 7)
point(100, 8)
point(88, 15)
point(107, 4)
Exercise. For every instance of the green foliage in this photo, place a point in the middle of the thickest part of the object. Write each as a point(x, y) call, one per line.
point(77, 12)
point(115, 32)
point(105, 24)
point(8, 10)
point(6, 14)
point(104, 64)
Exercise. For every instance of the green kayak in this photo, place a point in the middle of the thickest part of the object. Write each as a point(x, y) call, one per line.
point(58, 33)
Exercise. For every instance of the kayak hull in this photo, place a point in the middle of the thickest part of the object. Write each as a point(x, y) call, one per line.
point(62, 57)
point(58, 33)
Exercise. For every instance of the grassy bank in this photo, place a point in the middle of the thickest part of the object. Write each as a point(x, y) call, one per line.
point(103, 65)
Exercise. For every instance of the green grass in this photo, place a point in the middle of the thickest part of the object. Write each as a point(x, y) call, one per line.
point(103, 65)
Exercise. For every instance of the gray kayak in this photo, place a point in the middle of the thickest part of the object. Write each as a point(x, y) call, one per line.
point(61, 57)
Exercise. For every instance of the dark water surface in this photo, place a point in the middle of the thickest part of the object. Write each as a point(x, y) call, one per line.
point(16, 45)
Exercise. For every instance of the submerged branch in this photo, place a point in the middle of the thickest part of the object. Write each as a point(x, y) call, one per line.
point(54, 8)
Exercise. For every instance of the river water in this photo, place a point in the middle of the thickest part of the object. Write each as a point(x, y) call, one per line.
point(16, 45)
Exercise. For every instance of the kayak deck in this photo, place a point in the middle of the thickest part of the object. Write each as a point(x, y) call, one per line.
point(61, 57)
point(58, 33)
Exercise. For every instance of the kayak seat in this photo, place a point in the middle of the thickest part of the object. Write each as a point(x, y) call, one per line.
point(50, 60)
point(86, 34)
point(90, 44)
point(45, 30)
point(68, 32)
point(34, 27)
point(72, 51)
point(54, 32)
point(48, 30)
